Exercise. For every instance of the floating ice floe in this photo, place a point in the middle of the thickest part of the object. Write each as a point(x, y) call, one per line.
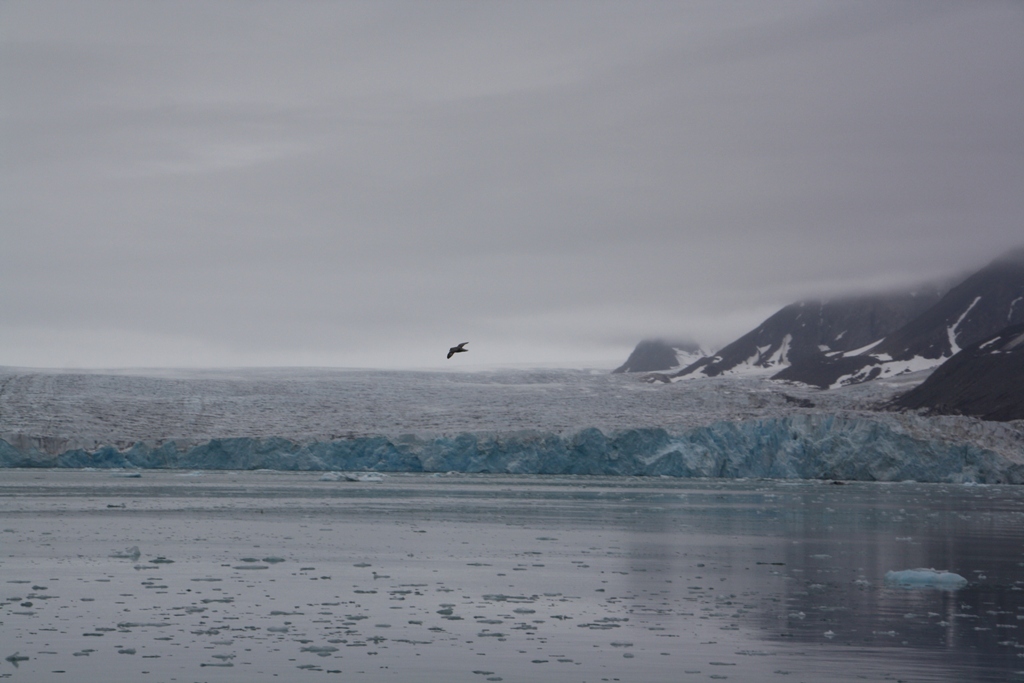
point(925, 578)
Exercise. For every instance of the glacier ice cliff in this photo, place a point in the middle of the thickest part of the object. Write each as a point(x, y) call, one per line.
point(804, 446)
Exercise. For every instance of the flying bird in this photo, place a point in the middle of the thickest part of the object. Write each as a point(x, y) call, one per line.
point(457, 349)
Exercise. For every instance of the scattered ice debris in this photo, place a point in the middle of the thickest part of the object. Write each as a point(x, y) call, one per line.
point(925, 578)
point(275, 614)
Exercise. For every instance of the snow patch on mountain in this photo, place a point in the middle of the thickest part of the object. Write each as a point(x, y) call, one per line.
point(951, 331)
point(1013, 307)
point(887, 367)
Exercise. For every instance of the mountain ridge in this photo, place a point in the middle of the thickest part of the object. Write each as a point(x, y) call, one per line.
point(849, 340)
point(809, 330)
point(979, 306)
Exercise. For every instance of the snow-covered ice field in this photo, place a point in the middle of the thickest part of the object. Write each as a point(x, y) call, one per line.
point(103, 407)
point(257, 576)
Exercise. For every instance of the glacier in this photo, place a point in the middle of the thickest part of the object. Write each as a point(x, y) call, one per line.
point(799, 446)
point(540, 421)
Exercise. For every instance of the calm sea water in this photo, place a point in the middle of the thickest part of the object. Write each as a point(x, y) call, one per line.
point(229, 576)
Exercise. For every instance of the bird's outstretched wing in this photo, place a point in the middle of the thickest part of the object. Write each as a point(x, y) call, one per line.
point(457, 349)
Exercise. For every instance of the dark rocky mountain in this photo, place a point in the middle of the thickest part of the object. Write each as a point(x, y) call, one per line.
point(985, 379)
point(857, 339)
point(656, 355)
point(978, 307)
point(812, 331)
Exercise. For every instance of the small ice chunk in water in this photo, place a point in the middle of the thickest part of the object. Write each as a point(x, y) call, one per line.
point(925, 578)
point(352, 476)
point(132, 553)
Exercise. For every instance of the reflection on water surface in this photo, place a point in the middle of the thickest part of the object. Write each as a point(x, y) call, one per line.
point(252, 575)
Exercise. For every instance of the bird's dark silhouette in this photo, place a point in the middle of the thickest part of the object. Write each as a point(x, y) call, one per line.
point(457, 349)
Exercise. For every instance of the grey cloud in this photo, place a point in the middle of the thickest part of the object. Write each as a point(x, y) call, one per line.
point(279, 182)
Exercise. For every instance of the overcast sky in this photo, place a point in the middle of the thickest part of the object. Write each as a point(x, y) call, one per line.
point(367, 184)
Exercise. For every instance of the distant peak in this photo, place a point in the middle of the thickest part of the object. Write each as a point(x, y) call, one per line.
point(652, 355)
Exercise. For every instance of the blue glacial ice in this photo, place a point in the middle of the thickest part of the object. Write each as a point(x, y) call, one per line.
point(925, 578)
point(799, 446)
